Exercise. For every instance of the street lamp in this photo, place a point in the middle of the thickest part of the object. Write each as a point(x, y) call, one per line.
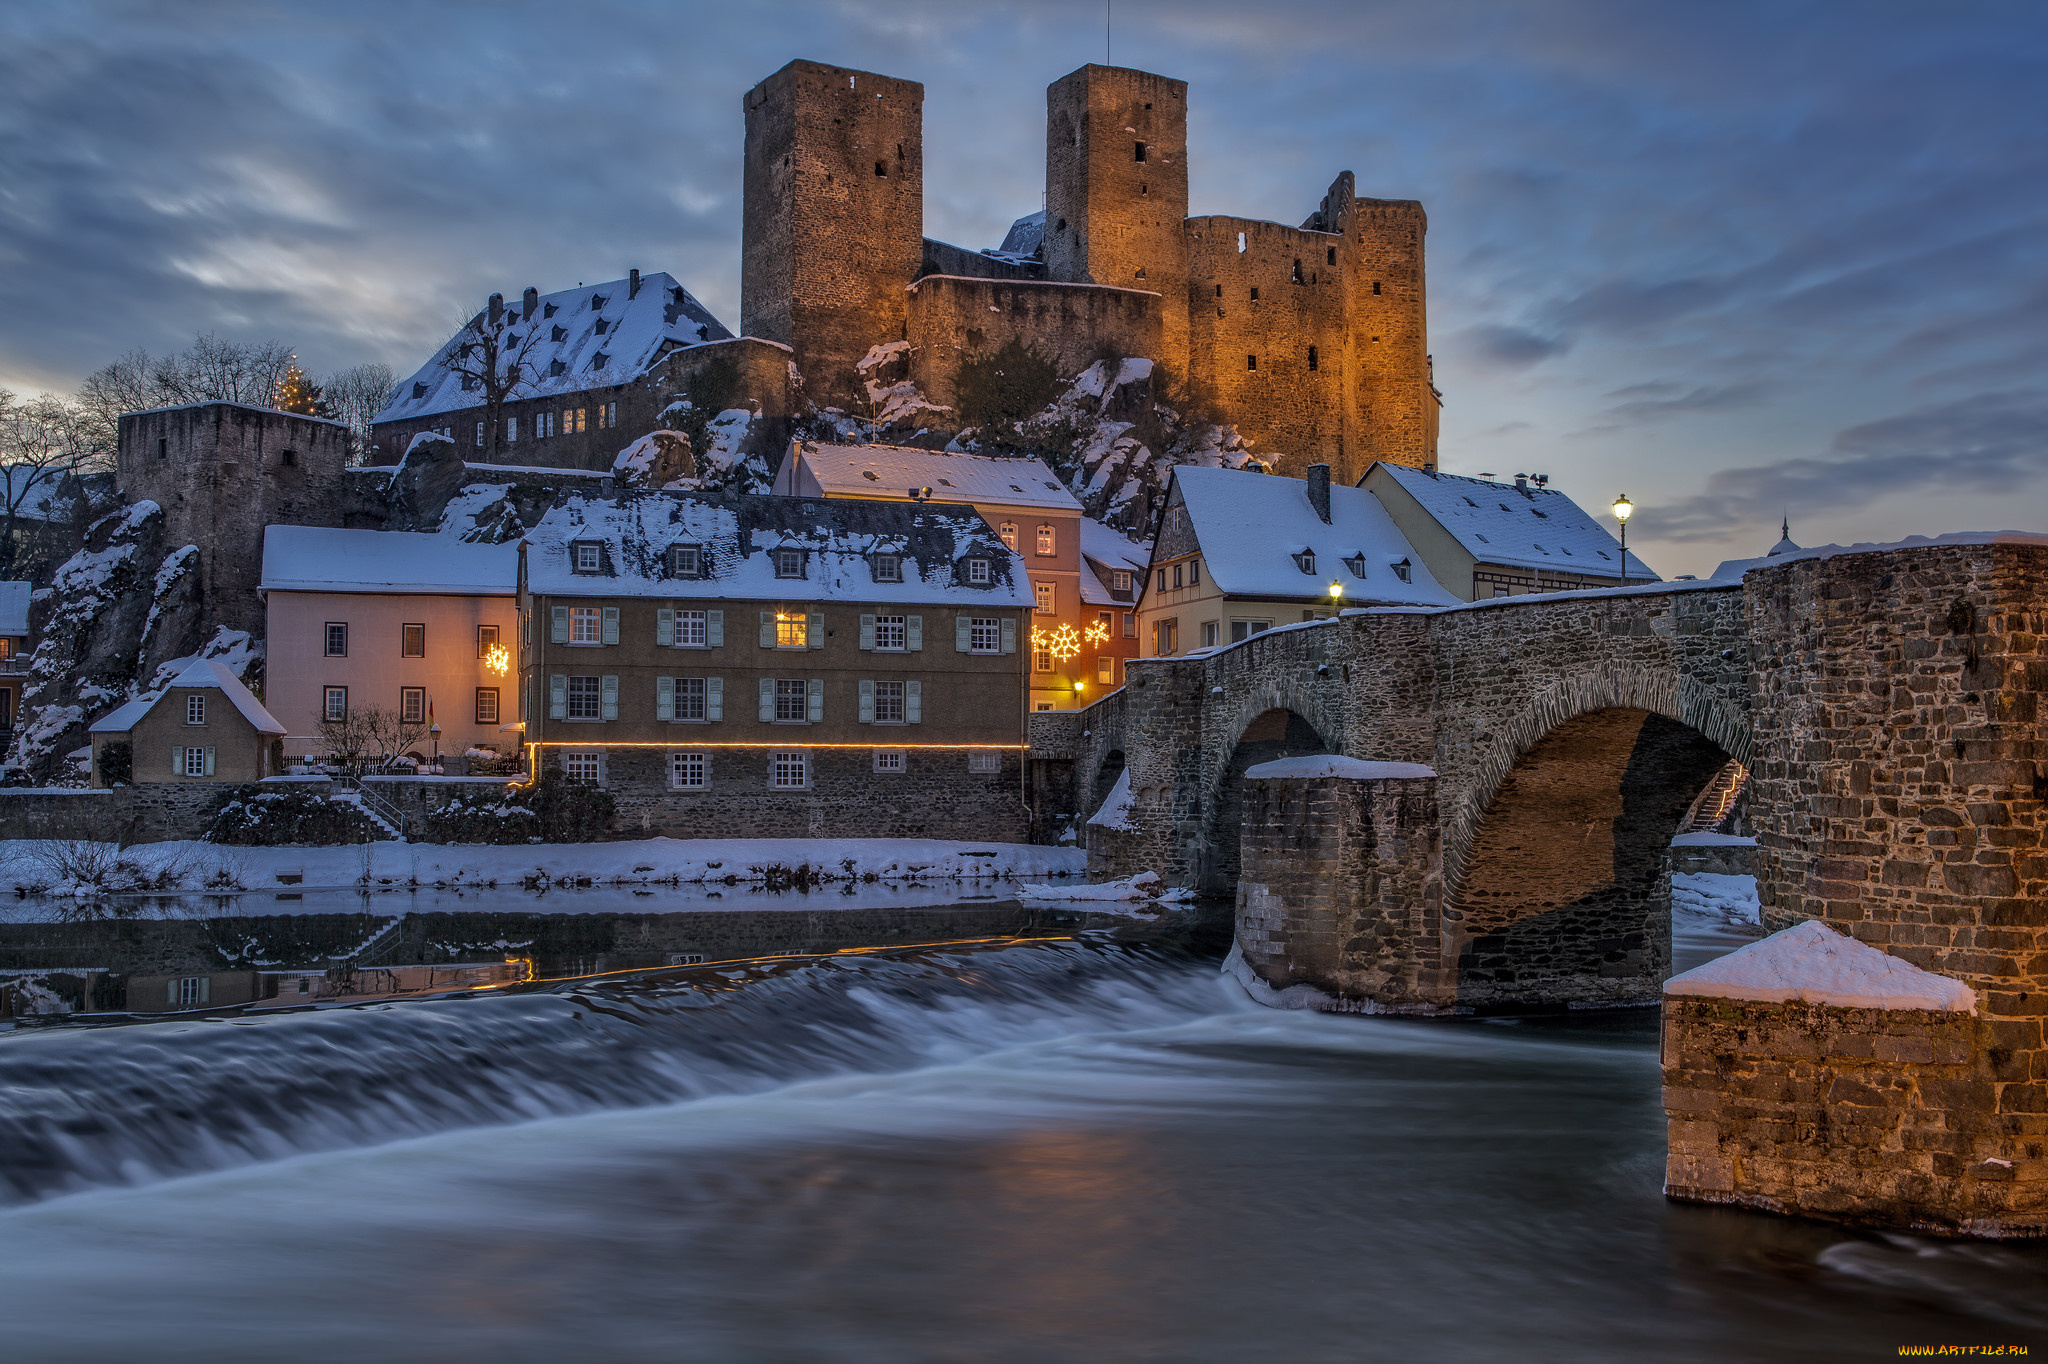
point(1336, 596)
point(435, 730)
point(1622, 508)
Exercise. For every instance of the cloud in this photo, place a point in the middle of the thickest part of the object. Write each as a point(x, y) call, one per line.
point(1990, 443)
point(1506, 348)
point(1661, 400)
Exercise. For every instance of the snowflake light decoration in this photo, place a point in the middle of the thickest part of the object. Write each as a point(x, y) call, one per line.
point(1063, 643)
point(498, 659)
point(1098, 633)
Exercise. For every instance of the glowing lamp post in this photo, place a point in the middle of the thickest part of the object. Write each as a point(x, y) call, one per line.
point(1336, 596)
point(1622, 508)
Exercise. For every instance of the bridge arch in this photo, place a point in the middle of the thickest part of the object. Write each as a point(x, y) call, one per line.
point(1270, 724)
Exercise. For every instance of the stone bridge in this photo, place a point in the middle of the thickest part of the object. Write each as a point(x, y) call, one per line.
point(1888, 703)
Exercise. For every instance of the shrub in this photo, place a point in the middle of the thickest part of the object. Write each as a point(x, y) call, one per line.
point(996, 391)
point(555, 809)
point(117, 764)
point(470, 818)
point(270, 819)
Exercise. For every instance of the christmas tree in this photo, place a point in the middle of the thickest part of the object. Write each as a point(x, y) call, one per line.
point(296, 393)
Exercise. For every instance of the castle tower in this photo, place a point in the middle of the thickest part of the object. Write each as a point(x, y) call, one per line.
point(1391, 406)
point(833, 227)
point(1116, 188)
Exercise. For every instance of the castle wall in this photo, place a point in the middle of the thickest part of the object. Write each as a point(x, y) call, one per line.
point(952, 320)
point(222, 472)
point(1393, 409)
point(1111, 217)
point(834, 217)
point(1268, 336)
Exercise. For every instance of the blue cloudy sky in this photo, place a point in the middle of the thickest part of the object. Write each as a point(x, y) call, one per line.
point(1730, 257)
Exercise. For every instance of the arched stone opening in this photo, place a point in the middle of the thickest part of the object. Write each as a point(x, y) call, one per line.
point(1272, 734)
point(1564, 892)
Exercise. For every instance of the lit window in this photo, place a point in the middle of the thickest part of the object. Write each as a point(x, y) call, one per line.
point(792, 700)
point(587, 557)
point(583, 766)
point(337, 639)
point(888, 568)
point(889, 760)
point(690, 631)
point(792, 631)
point(1105, 670)
point(984, 762)
point(572, 419)
point(486, 640)
point(686, 561)
point(487, 705)
point(689, 771)
point(1045, 545)
point(583, 699)
point(1163, 633)
point(889, 632)
point(888, 703)
point(984, 636)
point(789, 563)
point(1046, 598)
point(195, 710)
point(1251, 362)
point(1041, 660)
point(1008, 532)
point(586, 625)
point(690, 698)
point(789, 771)
point(412, 705)
point(412, 641)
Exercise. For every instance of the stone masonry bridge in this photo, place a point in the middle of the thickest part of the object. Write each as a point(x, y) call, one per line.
point(1887, 701)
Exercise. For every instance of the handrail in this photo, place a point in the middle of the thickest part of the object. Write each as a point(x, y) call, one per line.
point(378, 806)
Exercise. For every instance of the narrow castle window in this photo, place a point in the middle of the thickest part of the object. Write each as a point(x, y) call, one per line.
point(1311, 359)
point(1240, 243)
point(163, 446)
point(1141, 272)
point(1251, 362)
point(1140, 151)
point(287, 458)
point(881, 171)
point(1255, 293)
point(1219, 291)
point(1143, 187)
point(1375, 286)
point(1333, 255)
point(1297, 271)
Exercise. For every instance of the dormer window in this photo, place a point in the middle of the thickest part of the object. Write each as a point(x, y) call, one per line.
point(547, 310)
point(1305, 560)
point(1404, 571)
point(789, 563)
point(599, 360)
point(597, 302)
point(558, 333)
point(419, 391)
point(977, 572)
point(603, 326)
point(888, 568)
point(686, 561)
point(586, 556)
point(1120, 582)
point(1356, 563)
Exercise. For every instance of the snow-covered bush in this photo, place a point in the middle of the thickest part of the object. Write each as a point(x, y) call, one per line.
point(479, 818)
point(270, 819)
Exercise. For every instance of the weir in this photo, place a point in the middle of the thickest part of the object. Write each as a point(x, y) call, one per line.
point(1886, 700)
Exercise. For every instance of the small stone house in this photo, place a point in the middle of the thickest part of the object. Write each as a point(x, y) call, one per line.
point(14, 651)
point(1240, 553)
point(204, 727)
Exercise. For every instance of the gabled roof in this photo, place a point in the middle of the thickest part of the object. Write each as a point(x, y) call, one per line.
point(1105, 551)
point(738, 533)
point(14, 598)
point(316, 559)
point(1526, 527)
point(1251, 526)
point(815, 470)
point(638, 330)
point(33, 491)
point(1025, 236)
point(200, 672)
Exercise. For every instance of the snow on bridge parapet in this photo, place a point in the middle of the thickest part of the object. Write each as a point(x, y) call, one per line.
point(1347, 769)
point(1816, 965)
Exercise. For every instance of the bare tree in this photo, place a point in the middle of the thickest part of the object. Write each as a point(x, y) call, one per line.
point(493, 353)
point(123, 386)
point(368, 738)
point(211, 370)
point(43, 442)
point(355, 396)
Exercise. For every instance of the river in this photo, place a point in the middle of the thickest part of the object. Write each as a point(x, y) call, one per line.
point(1082, 1143)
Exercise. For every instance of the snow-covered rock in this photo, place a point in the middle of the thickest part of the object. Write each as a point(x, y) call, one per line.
point(1814, 964)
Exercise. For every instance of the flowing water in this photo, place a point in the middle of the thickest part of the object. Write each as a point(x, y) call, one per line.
point(1080, 1144)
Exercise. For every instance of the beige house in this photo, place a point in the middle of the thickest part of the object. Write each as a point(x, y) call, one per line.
point(204, 727)
point(779, 666)
point(1022, 501)
point(1240, 553)
point(1482, 539)
point(14, 651)
point(421, 625)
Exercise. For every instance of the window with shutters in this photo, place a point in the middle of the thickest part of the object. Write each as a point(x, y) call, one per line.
point(194, 764)
point(792, 700)
point(584, 702)
point(984, 636)
point(690, 698)
point(789, 770)
point(337, 639)
point(334, 704)
point(412, 641)
point(193, 991)
point(586, 766)
point(889, 703)
point(889, 760)
point(586, 625)
point(572, 419)
point(890, 633)
point(690, 632)
point(586, 556)
point(195, 710)
point(888, 568)
point(487, 705)
point(412, 705)
point(689, 771)
point(792, 630)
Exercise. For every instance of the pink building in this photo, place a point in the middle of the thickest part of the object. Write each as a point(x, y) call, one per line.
point(417, 624)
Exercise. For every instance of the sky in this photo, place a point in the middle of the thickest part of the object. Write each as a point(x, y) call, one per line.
point(1738, 260)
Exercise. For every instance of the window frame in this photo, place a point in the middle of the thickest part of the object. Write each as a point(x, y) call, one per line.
point(788, 558)
point(983, 762)
point(594, 694)
point(488, 637)
point(1047, 542)
point(686, 561)
point(592, 614)
point(792, 693)
point(578, 757)
point(679, 759)
point(593, 550)
point(792, 630)
point(329, 713)
point(409, 633)
point(700, 701)
point(893, 689)
point(406, 712)
point(992, 627)
point(896, 628)
point(694, 617)
point(1045, 599)
point(496, 708)
point(978, 572)
point(784, 762)
point(886, 568)
point(195, 709)
point(331, 651)
point(897, 760)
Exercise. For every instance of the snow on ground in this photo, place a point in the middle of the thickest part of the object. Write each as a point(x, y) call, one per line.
point(1132, 895)
point(1702, 899)
point(648, 861)
point(1814, 963)
point(1116, 806)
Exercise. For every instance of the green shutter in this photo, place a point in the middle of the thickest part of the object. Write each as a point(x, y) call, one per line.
point(611, 625)
point(608, 698)
point(209, 760)
point(867, 632)
point(767, 629)
point(1009, 636)
point(963, 633)
point(867, 700)
point(714, 698)
point(714, 629)
point(817, 699)
point(664, 698)
point(913, 703)
point(664, 626)
point(768, 699)
point(913, 633)
point(561, 625)
point(814, 629)
point(558, 697)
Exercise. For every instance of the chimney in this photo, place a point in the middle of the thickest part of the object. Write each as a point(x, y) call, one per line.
point(528, 302)
point(497, 308)
point(1522, 482)
point(1319, 490)
point(632, 284)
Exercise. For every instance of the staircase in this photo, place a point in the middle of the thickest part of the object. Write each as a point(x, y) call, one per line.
point(380, 812)
point(1713, 805)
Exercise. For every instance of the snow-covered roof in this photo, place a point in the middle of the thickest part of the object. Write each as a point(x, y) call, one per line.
point(811, 469)
point(200, 672)
point(14, 599)
point(1814, 963)
point(1105, 551)
point(316, 559)
point(1251, 525)
point(1025, 236)
point(572, 353)
point(737, 533)
point(1527, 527)
point(32, 492)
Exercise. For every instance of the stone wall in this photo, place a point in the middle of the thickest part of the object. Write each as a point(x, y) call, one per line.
point(151, 812)
point(1898, 1117)
point(953, 320)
